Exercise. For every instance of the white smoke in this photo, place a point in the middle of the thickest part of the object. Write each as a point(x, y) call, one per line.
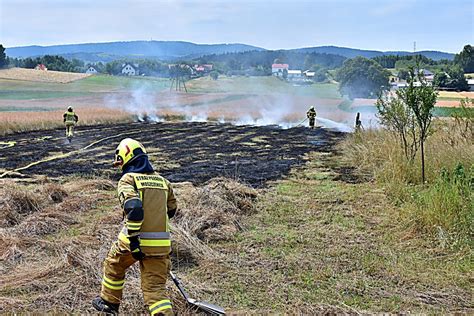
point(281, 109)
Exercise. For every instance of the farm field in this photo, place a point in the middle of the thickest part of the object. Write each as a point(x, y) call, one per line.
point(260, 208)
point(40, 75)
point(257, 100)
point(254, 100)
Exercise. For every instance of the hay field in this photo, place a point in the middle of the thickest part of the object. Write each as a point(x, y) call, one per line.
point(40, 75)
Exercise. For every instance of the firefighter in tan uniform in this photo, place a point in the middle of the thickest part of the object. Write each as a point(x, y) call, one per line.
point(148, 202)
point(311, 115)
point(70, 119)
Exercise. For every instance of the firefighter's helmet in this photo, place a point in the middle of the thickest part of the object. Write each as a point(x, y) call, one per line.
point(69, 108)
point(127, 151)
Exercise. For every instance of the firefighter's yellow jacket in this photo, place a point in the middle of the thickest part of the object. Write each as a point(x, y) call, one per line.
point(158, 199)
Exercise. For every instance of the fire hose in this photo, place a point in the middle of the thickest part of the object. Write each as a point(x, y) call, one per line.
point(301, 122)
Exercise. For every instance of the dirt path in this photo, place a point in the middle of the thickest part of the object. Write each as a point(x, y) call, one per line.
point(194, 152)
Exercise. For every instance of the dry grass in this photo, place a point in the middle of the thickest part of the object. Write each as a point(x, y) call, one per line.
point(212, 212)
point(442, 207)
point(53, 250)
point(40, 76)
point(13, 122)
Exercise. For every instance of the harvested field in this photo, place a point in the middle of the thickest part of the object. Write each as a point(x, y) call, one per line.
point(194, 152)
point(52, 253)
point(40, 75)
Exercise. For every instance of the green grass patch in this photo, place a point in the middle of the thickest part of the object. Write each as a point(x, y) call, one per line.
point(30, 95)
point(320, 242)
point(447, 112)
point(25, 109)
point(262, 85)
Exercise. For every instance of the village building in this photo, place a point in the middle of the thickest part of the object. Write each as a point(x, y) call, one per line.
point(294, 74)
point(429, 76)
point(470, 83)
point(309, 74)
point(91, 70)
point(41, 67)
point(130, 70)
point(203, 69)
point(277, 69)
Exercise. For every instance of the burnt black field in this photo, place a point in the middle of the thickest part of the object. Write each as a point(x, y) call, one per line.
point(188, 151)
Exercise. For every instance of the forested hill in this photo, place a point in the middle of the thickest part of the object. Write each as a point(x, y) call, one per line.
point(172, 50)
point(157, 49)
point(297, 60)
point(352, 52)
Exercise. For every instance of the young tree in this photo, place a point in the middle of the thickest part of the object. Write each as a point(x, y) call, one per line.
point(421, 99)
point(409, 114)
point(397, 117)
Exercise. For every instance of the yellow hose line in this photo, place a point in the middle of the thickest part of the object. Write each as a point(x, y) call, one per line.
point(66, 154)
point(7, 144)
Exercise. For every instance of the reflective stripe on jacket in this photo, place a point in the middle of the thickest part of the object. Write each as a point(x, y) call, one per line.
point(70, 116)
point(157, 197)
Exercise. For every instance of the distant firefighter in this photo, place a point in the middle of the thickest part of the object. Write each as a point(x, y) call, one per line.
point(70, 119)
point(358, 123)
point(311, 114)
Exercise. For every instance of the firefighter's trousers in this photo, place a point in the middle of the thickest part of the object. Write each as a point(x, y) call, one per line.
point(69, 129)
point(154, 273)
point(311, 122)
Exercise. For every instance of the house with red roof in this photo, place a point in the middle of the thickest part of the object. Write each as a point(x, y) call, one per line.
point(277, 69)
point(41, 67)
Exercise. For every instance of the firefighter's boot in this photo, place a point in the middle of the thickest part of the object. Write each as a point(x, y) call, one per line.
point(104, 306)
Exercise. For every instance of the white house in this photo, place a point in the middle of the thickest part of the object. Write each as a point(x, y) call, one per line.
point(309, 74)
point(429, 76)
point(91, 70)
point(130, 70)
point(277, 69)
point(294, 74)
point(470, 83)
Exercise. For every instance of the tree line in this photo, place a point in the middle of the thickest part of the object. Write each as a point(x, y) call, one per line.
point(364, 78)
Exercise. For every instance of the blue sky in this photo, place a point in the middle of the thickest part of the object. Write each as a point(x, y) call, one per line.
point(366, 24)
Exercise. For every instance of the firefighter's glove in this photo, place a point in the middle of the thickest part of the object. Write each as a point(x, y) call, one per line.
point(137, 253)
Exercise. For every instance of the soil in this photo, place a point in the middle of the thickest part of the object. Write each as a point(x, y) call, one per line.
point(187, 151)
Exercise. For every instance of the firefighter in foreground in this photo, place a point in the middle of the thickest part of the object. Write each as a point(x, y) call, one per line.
point(311, 115)
point(148, 203)
point(70, 119)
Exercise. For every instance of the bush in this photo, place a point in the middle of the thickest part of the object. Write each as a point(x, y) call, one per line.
point(441, 208)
